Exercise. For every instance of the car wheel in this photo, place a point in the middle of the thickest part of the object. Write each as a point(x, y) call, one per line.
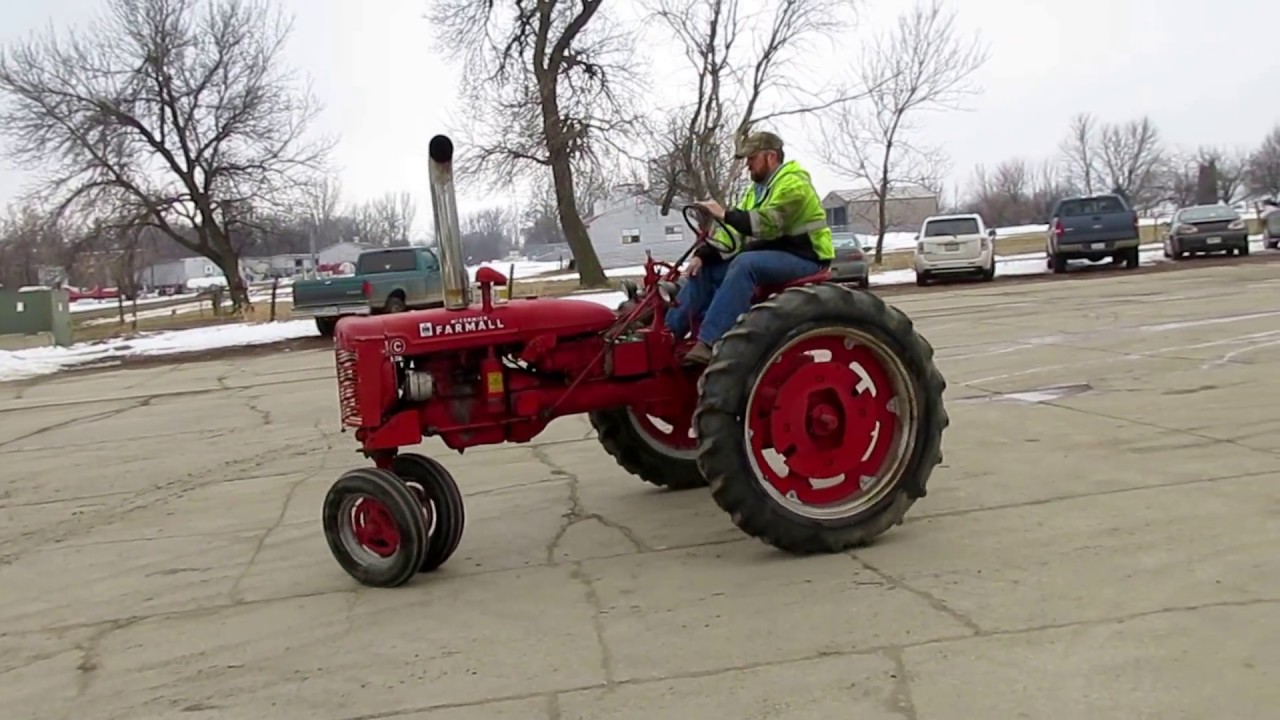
point(1132, 258)
point(395, 304)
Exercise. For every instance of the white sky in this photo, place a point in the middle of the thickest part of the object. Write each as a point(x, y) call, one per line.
point(1205, 72)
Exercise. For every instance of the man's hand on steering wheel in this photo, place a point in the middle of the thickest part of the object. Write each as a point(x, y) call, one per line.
point(701, 218)
point(713, 209)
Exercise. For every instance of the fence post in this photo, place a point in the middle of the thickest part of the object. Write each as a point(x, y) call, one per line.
point(275, 283)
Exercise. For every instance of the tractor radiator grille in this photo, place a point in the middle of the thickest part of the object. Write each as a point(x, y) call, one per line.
point(348, 388)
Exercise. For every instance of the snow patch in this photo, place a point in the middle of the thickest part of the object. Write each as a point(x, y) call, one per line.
point(23, 364)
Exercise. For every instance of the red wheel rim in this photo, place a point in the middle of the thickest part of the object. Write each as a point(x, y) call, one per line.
point(675, 438)
point(829, 423)
point(374, 527)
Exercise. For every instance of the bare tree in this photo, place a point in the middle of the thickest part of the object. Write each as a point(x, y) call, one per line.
point(178, 111)
point(1080, 152)
point(1263, 172)
point(1049, 184)
point(319, 209)
point(321, 196)
point(486, 235)
point(385, 221)
point(920, 65)
point(398, 211)
point(549, 84)
point(1229, 167)
point(739, 85)
point(1131, 158)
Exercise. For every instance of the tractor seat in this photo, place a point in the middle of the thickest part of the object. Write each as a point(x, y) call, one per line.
point(765, 291)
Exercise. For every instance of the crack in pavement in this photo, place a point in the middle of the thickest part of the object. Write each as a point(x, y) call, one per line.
point(900, 701)
point(879, 650)
point(104, 415)
point(88, 665)
point(234, 592)
point(263, 414)
point(579, 574)
point(922, 517)
point(203, 433)
point(167, 394)
point(142, 499)
point(932, 600)
point(576, 513)
point(1149, 424)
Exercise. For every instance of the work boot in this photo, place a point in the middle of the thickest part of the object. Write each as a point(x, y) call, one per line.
point(699, 354)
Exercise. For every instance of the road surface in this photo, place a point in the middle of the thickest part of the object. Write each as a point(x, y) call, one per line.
point(1099, 543)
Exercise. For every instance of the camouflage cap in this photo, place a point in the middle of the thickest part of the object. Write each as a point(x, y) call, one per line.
point(757, 142)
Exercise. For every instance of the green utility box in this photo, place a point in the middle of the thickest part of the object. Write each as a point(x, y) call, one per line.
point(34, 317)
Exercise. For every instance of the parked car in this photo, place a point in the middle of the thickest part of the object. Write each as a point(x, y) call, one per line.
point(1205, 229)
point(955, 245)
point(386, 281)
point(1093, 228)
point(1271, 230)
point(850, 264)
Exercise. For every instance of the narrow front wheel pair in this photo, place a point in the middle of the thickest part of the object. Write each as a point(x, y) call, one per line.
point(385, 526)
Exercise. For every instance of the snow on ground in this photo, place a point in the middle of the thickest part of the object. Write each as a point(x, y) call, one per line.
point(22, 364)
point(523, 268)
point(85, 305)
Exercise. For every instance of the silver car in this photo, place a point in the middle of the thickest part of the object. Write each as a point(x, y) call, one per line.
point(850, 264)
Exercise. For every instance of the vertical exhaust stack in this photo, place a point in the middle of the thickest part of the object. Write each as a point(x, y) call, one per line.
point(444, 210)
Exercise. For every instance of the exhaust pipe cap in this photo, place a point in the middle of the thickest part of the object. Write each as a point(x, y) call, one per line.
point(440, 149)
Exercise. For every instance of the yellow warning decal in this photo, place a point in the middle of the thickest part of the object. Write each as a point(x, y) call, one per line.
point(495, 382)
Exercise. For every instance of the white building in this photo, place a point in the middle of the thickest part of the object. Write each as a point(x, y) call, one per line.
point(624, 227)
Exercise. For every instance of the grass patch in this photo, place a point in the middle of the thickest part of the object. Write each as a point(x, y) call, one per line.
point(204, 317)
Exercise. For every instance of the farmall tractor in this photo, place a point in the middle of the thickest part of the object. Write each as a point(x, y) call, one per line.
point(816, 424)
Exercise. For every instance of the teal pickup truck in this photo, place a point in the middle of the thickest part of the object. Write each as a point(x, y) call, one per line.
point(386, 281)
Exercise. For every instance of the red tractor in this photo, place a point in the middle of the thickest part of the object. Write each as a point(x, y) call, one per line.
point(816, 424)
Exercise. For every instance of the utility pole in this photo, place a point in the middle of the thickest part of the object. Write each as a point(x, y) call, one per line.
point(311, 241)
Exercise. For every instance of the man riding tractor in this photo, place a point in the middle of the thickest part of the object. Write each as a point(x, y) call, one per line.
point(783, 218)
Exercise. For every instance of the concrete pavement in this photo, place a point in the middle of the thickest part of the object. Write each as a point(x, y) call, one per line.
point(1100, 543)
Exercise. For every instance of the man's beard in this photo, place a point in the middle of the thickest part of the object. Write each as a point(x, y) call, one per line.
point(760, 176)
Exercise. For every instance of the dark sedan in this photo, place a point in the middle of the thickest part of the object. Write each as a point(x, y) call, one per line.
point(1204, 229)
point(850, 265)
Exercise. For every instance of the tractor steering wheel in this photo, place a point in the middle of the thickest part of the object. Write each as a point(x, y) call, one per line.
point(698, 220)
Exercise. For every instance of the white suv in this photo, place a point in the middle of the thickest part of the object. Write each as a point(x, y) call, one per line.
point(955, 245)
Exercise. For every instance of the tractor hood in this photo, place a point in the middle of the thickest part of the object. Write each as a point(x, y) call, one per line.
point(440, 330)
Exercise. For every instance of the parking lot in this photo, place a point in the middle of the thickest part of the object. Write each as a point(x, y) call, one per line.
point(1100, 542)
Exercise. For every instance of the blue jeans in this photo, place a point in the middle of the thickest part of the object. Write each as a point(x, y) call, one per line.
point(720, 293)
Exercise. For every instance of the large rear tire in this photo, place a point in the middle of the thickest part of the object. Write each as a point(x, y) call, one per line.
point(871, 412)
point(667, 459)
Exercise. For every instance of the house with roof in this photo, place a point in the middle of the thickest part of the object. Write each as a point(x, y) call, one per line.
point(857, 211)
point(628, 224)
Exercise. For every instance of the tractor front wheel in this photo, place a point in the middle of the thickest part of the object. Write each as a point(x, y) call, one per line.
point(659, 453)
point(820, 419)
point(441, 501)
point(375, 527)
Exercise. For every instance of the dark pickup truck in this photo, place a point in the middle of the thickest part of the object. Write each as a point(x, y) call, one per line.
point(385, 281)
point(1092, 228)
